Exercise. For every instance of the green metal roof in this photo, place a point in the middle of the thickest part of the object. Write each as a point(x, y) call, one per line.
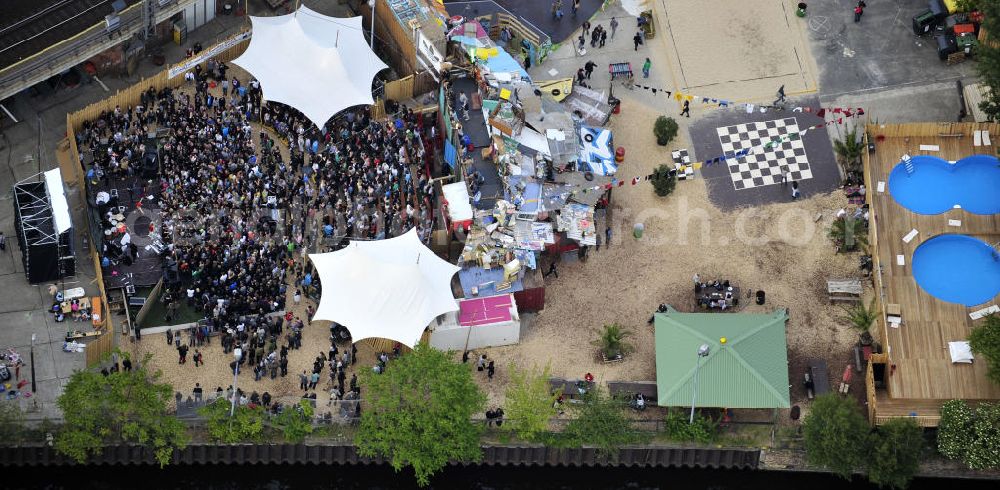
point(749, 371)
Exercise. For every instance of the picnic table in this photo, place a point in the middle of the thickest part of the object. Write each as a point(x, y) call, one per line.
point(630, 388)
point(724, 297)
point(849, 290)
point(570, 388)
point(819, 376)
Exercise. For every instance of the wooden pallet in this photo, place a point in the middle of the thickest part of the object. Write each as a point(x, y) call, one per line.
point(954, 58)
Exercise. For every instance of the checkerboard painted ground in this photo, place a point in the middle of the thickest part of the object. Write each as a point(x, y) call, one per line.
point(763, 166)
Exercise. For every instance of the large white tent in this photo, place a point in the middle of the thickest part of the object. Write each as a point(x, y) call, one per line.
point(385, 288)
point(317, 64)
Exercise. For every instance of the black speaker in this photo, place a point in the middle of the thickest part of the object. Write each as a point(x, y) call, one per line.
point(150, 165)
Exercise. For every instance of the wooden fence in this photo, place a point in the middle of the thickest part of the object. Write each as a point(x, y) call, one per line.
point(928, 130)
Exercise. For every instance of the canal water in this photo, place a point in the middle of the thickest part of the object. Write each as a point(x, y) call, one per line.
point(470, 477)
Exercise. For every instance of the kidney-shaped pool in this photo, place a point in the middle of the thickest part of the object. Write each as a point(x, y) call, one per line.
point(935, 186)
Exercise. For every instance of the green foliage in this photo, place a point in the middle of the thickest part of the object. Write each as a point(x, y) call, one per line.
point(121, 407)
point(295, 422)
point(665, 130)
point(835, 434)
point(12, 428)
point(954, 433)
point(677, 428)
point(246, 424)
point(848, 233)
point(984, 453)
point(601, 421)
point(418, 413)
point(968, 5)
point(664, 180)
point(860, 316)
point(612, 339)
point(849, 150)
point(529, 404)
point(985, 342)
point(894, 453)
point(988, 58)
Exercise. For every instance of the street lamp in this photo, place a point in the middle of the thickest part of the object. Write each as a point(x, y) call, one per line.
point(34, 387)
point(702, 352)
point(238, 354)
point(371, 5)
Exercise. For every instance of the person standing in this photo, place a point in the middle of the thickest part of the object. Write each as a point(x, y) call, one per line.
point(170, 336)
point(614, 27)
point(687, 109)
point(586, 27)
point(637, 40)
point(198, 393)
point(304, 381)
point(604, 37)
point(490, 370)
point(859, 11)
point(552, 270)
point(589, 68)
point(481, 363)
point(795, 190)
point(645, 68)
point(313, 381)
point(607, 236)
point(576, 7)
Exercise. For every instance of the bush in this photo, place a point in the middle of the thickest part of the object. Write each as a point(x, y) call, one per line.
point(678, 429)
point(985, 341)
point(613, 341)
point(602, 422)
point(984, 453)
point(665, 130)
point(295, 421)
point(664, 180)
point(529, 403)
point(894, 456)
point(835, 434)
point(954, 433)
point(246, 424)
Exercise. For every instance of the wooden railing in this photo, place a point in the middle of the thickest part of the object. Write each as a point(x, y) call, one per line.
point(870, 393)
point(921, 420)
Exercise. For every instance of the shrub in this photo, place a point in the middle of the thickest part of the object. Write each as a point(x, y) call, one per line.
point(246, 424)
point(985, 341)
point(894, 456)
point(677, 428)
point(665, 130)
point(835, 434)
point(612, 340)
point(295, 421)
point(529, 403)
point(602, 422)
point(954, 433)
point(984, 453)
point(664, 180)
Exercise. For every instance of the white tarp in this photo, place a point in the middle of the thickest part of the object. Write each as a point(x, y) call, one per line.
point(386, 288)
point(459, 207)
point(57, 197)
point(317, 64)
point(960, 352)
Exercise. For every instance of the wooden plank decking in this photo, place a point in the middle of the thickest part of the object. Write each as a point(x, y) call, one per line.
point(923, 376)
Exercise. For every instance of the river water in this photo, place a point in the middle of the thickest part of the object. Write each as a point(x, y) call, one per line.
point(477, 478)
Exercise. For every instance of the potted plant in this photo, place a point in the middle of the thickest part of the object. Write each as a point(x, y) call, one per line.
point(849, 233)
point(612, 340)
point(862, 317)
point(664, 180)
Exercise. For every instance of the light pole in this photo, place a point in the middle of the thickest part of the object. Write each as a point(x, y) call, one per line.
point(238, 354)
point(371, 5)
point(702, 352)
point(34, 387)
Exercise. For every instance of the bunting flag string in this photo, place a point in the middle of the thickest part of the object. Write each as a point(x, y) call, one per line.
point(615, 182)
point(751, 108)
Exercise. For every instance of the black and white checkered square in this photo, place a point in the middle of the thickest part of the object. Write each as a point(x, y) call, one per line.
point(681, 157)
point(764, 166)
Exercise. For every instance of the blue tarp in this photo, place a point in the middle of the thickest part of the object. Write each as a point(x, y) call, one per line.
point(476, 276)
point(503, 62)
point(449, 154)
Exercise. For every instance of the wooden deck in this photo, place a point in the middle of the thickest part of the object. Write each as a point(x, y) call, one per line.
point(920, 372)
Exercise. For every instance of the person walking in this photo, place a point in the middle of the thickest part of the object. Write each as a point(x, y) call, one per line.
point(170, 337)
point(197, 392)
point(586, 27)
point(304, 381)
point(645, 68)
point(481, 363)
point(576, 7)
point(297, 298)
point(552, 270)
point(687, 109)
point(637, 40)
point(313, 381)
point(859, 11)
point(182, 351)
point(604, 38)
point(607, 237)
point(614, 27)
point(490, 370)
point(197, 358)
point(557, 10)
point(589, 68)
point(795, 190)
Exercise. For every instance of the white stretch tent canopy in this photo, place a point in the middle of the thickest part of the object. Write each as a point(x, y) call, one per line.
point(386, 288)
point(317, 64)
point(60, 208)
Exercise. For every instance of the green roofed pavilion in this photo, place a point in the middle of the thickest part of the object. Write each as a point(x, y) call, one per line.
point(748, 370)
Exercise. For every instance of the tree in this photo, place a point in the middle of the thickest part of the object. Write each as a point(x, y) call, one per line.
point(835, 433)
point(894, 454)
point(418, 413)
point(664, 180)
point(529, 403)
point(862, 317)
point(126, 406)
point(954, 433)
point(985, 341)
point(601, 421)
point(849, 150)
point(665, 130)
point(678, 428)
point(849, 233)
point(984, 453)
point(988, 58)
point(245, 425)
point(295, 421)
point(612, 339)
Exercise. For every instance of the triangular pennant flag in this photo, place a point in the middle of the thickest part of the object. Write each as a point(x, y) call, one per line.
point(836, 110)
point(668, 92)
point(861, 111)
point(654, 90)
point(821, 112)
point(621, 183)
point(689, 97)
point(808, 109)
point(649, 177)
point(678, 96)
point(704, 100)
point(635, 180)
point(840, 120)
point(608, 186)
point(848, 113)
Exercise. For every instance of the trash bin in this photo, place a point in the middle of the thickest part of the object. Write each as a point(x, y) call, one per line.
point(637, 230)
point(923, 22)
point(945, 45)
point(967, 43)
point(938, 8)
point(801, 11)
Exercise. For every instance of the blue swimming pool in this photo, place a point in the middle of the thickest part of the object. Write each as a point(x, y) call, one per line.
point(957, 268)
point(936, 186)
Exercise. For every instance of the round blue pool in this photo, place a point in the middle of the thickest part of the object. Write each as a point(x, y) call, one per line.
point(936, 186)
point(958, 269)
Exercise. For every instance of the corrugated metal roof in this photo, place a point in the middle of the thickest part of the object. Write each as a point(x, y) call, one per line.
point(749, 371)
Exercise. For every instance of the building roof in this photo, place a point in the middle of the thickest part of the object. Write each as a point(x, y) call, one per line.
point(749, 370)
point(30, 27)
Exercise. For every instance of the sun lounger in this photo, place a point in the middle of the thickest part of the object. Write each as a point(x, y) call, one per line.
point(880, 187)
point(989, 310)
point(977, 138)
point(954, 222)
point(986, 139)
point(910, 236)
point(900, 259)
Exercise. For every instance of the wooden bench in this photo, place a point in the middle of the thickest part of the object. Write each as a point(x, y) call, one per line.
point(849, 290)
point(820, 376)
point(630, 388)
point(568, 387)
